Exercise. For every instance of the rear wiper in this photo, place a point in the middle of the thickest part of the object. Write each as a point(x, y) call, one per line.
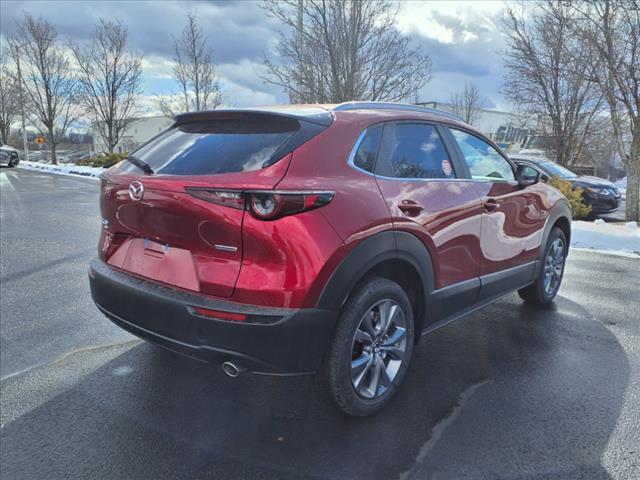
point(141, 164)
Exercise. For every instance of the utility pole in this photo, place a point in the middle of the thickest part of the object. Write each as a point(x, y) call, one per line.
point(20, 85)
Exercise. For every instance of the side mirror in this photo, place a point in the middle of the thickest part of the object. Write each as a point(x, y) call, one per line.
point(527, 176)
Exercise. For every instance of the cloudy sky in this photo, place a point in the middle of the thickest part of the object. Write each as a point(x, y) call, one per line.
point(463, 39)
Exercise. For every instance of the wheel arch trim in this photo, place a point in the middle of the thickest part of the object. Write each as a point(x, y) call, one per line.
point(374, 251)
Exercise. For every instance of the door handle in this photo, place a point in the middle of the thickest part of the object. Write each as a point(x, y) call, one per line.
point(490, 205)
point(410, 208)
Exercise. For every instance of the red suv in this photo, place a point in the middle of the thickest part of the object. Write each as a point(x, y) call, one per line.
point(329, 239)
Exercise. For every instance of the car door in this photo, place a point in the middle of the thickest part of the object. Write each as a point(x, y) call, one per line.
point(427, 197)
point(513, 217)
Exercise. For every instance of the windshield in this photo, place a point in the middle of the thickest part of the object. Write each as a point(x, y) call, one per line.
point(215, 146)
point(556, 170)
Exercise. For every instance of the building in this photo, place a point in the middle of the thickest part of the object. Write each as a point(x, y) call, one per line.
point(137, 132)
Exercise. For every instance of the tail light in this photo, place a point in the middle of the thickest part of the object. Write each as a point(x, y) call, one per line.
point(269, 205)
point(265, 204)
point(226, 198)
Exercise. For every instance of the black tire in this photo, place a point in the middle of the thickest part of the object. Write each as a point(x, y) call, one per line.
point(538, 293)
point(380, 294)
point(13, 160)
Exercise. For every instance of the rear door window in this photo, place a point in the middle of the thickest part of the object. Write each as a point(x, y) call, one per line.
point(413, 150)
point(216, 146)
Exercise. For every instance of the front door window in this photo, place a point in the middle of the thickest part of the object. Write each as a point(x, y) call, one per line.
point(484, 161)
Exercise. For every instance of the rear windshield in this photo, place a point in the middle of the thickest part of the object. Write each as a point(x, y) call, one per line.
point(215, 146)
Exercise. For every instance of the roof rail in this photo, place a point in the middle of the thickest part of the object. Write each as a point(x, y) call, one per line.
point(394, 106)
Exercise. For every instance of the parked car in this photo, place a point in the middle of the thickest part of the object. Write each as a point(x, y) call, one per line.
point(320, 240)
point(9, 156)
point(602, 195)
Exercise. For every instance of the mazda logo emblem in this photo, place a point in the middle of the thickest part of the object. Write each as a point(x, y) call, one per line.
point(136, 190)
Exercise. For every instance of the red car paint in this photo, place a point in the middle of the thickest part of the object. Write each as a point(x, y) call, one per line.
point(468, 227)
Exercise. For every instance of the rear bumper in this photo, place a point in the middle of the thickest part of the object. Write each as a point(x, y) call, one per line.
point(293, 344)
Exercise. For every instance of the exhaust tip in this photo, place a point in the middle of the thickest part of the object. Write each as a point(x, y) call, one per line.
point(231, 369)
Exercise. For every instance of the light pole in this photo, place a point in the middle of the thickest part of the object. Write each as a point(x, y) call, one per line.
point(20, 85)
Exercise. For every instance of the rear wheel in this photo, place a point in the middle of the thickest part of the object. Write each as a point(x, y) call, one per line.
point(549, 277)
point(13, 160)
point(371, 349)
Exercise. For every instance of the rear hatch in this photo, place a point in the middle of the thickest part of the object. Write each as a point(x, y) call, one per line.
point(181, 222)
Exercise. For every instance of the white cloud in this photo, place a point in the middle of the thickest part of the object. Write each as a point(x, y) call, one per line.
point(244, 71)
point(157, 67)
point(237, 95)
point(426, 19)
point(462, 38)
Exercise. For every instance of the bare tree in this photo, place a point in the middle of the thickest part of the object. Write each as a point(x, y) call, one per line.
point(547, 75)
point(49, 87)
point(9, 103)
point(109, 80)
point(341, 50)
point(599, 147)
point(611, 29)
point(195, 73)
point(468, 103)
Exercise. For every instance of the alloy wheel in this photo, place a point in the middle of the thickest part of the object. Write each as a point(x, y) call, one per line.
point(378, 348)
point(553, 266)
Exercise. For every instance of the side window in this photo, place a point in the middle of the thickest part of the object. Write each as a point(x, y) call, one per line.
point(413, 150)
point(484, 161)
point(365, 156)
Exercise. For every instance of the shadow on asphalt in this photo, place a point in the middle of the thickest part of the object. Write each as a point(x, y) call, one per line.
point(149, 413)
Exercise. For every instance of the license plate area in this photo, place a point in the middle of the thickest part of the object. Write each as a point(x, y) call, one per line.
point(157, 261)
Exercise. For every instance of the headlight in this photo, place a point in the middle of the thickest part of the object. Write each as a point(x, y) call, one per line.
point(598, 190)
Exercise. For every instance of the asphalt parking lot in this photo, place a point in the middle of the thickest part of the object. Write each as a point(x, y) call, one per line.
point(510, 392)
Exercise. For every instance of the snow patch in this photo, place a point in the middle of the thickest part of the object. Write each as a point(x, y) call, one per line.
point(606, 237)
point(66, 169)
point(621, 185)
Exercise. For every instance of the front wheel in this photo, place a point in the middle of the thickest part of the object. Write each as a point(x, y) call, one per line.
point(371, 348)
point(13, 161)
point(549, 276)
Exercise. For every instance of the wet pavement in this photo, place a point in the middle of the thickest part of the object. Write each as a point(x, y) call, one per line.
point(509, 392)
